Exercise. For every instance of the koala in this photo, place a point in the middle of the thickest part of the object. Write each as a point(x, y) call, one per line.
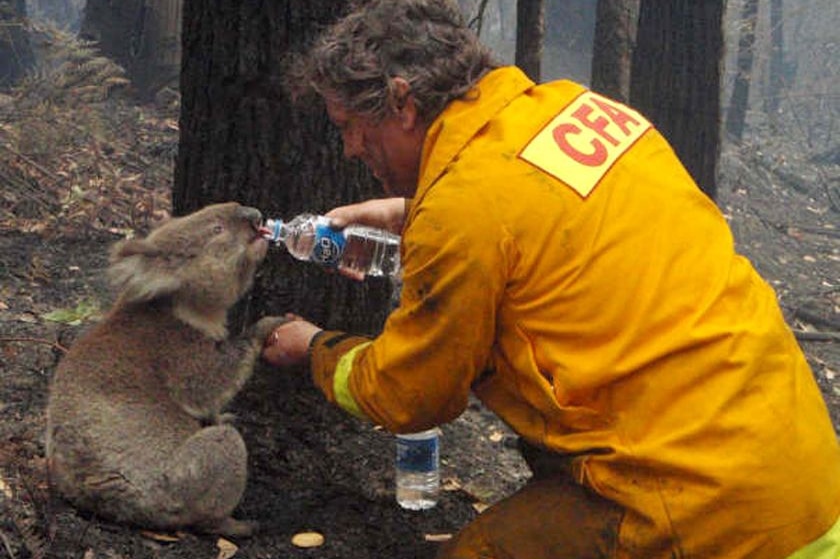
point(135, 429)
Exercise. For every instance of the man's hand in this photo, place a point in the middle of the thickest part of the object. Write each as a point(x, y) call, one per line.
point(383, 213)
point(289, 343)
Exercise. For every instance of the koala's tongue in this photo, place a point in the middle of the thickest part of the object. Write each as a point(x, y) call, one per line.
point(264, 232)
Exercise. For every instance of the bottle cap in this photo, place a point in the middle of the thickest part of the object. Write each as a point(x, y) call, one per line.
point(272, 229)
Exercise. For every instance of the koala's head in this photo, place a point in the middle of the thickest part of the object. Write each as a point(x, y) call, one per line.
point(204, 261)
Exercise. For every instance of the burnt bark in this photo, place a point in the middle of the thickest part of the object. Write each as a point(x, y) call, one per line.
point(776, 82)
point(16, 56)
point(530, 28)
point(736, 114)
point(615, 37)
point(142, 36)
point(116, 28)
point(676, 80)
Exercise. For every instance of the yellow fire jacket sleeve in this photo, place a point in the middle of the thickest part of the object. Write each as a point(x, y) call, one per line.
point(327, 350)
point(560, 262)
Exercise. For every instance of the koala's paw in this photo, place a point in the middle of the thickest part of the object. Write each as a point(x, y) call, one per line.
point(265, 326)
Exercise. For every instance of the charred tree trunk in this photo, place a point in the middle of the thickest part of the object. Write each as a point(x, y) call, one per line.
point(530, 27)
point(736, 115)
point(16, 56)
point(116, 27)
point(502, 6)
point(615, 37)
point(777, 59)
point(142, 36)
point(676, 79)
point(64, 14)
point(242, 140)
point(158, 62)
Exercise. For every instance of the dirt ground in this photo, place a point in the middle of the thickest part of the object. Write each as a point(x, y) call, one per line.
point(329, 473)
point(325, 471)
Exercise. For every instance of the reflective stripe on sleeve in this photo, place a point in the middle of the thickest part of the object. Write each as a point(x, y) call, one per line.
point(826, 546)
point(341, 382)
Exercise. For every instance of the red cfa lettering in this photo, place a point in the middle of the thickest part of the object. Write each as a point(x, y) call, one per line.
point(593, 159)
point(595, 116)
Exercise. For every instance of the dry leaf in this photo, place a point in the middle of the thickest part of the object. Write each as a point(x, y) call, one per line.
point(480, 507)
point(307, 539)
point(227, 549)
point(5, 489)
point(451, 484)
point(496, 436)
point(27, 317)
point(437, 537)
point(159, 537)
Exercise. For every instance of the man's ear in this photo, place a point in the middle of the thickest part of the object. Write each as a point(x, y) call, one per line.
point(403, 103)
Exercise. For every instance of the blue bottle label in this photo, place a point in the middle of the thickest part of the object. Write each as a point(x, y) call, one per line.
point(329, 244)
point(419, 456)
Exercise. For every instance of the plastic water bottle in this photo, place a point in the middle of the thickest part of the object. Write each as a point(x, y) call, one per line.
point(418, 469)
point(356, 248)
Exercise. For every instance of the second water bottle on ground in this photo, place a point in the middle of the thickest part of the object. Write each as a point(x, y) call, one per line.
point(356, 248)
point(418, 469)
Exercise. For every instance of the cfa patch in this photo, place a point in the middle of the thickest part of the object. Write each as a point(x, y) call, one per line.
point(581, 143)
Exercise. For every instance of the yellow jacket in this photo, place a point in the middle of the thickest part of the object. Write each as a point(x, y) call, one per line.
point(560, 262)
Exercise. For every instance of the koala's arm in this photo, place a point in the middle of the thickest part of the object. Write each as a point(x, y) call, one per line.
point(212, 379)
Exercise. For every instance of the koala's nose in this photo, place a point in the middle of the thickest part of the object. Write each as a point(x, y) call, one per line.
point(251, 215)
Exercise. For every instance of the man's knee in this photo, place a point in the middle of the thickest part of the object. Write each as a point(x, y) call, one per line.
point(547, 519)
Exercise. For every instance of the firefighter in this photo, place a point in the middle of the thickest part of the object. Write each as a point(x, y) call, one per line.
point(560, 264)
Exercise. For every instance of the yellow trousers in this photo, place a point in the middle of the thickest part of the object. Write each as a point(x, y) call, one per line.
point(552, 517)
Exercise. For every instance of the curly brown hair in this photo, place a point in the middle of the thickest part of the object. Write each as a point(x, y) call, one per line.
point(425, 42)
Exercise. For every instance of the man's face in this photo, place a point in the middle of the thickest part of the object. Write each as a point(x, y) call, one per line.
point(390, 147)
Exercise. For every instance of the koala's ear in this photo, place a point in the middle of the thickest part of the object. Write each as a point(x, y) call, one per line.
point(138, 273)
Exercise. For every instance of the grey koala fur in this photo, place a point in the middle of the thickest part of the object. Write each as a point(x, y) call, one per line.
point(135, 429)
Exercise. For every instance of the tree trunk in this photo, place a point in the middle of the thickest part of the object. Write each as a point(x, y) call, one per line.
point(676, 79)
point(502, 7)
point(615, 37)
point(142, 36)
point(158, 64)
point(64, 14)
point(116, 27)
point(530, 27)
point(242, 140)
point(777, 57)
point(16, 56)
point(736, 115)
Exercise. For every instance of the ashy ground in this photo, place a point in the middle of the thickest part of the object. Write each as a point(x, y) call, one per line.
point(312, 468)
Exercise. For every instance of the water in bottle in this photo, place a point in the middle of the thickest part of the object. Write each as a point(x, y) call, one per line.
point(418, 469)
point(358, 249)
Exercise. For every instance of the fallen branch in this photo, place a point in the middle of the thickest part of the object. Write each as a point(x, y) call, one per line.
point(810, 336)
point(7, 545)
point(816, 230)
point(55, 345)
point(816, 319)
point(34, 164)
